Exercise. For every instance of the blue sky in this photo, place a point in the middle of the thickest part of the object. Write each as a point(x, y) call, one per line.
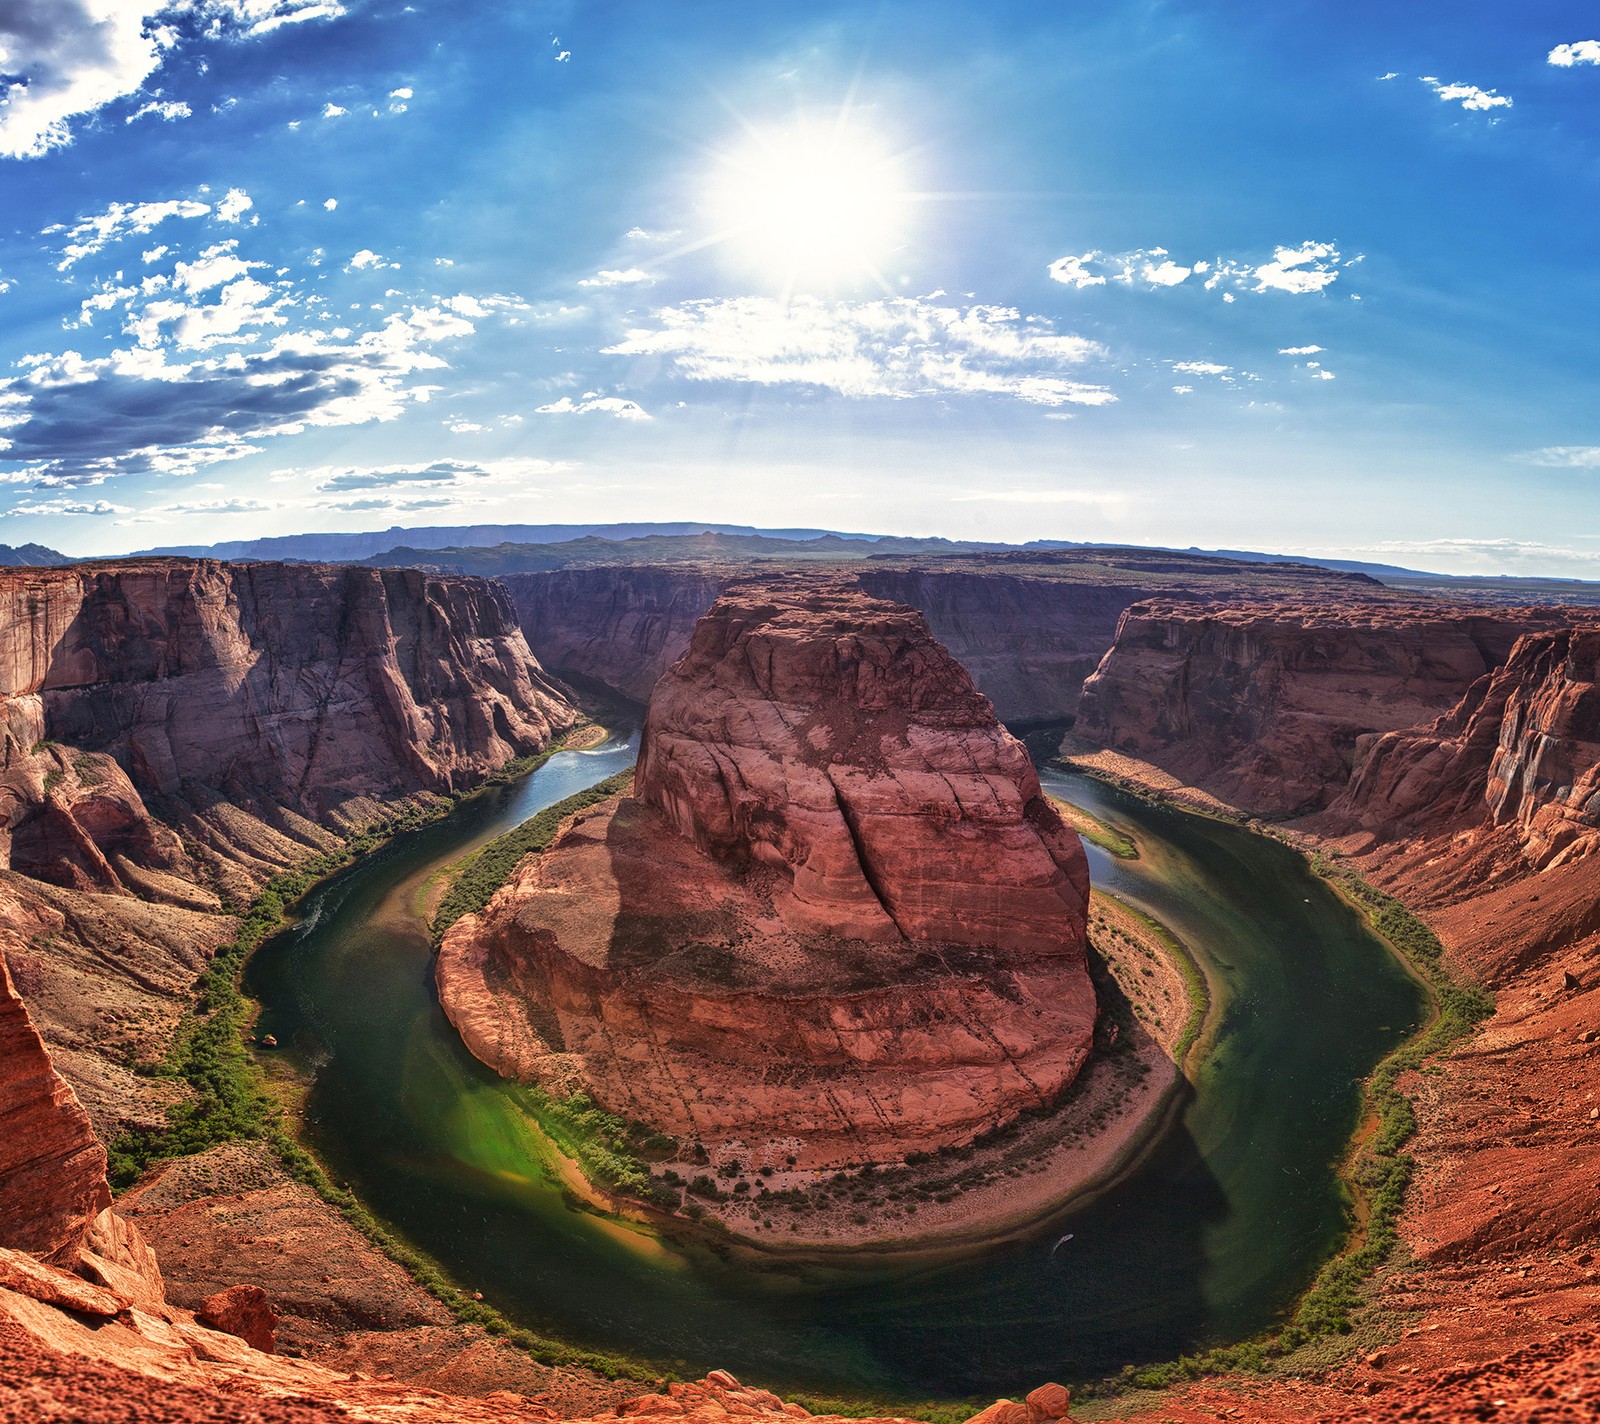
point(1291, 277)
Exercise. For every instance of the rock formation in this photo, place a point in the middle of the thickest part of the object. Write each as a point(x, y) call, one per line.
point(1028, 626)
point(173, 732)
point(52, 1170)
point(837, 921)
point(1270, 705)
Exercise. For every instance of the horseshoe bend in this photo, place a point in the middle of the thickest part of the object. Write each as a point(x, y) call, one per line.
point(835, 923)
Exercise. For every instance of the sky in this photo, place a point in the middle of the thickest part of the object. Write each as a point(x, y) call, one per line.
point(1287, 277)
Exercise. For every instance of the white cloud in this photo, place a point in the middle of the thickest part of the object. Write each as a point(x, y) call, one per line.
point(1183, 390)
point(1564, 457)
point(1297, 270)
point(61, 60)
point(1074, 273)
point(401, 94)
point(639, 234)
point(234, 205)
point(1299, 350)
point(1564, 56)
point(90, 235)
point(330, 203)
point(1310, 267)
point(1166, 274)
point(900, 348)
point(330, 110)
point(259, 17)
point(1201, 368)
point(615, 277)
point(368, 259)
point(591, 404)
point(170, 110)
point(1469, 96)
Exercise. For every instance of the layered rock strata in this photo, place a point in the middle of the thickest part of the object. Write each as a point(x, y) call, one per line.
point(1271, 706)
point(173, 732)
point(836, 921)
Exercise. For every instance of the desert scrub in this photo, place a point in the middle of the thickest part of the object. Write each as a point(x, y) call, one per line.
point(484, 872)
point(1096, 831)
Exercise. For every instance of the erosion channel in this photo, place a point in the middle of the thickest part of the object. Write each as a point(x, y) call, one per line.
point(1208, 1239)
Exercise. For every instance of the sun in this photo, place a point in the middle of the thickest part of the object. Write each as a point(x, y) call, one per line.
point(813, 203)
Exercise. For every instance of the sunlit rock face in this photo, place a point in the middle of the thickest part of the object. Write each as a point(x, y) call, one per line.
point(1272, 704)
point(837, 920)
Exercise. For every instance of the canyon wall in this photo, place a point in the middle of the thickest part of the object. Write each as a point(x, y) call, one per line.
point(1271, 705)
point(1028, 627)
point(837, 923)
point(174, 732)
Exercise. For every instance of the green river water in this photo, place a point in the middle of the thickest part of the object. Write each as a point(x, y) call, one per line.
point(1213, 1236)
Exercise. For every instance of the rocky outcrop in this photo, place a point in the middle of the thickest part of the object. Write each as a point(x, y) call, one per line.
point(52, 1169)
point(838, 921)
point(1519, 754)
point(1029, 627)
point(174, 732)
point(1271, 706)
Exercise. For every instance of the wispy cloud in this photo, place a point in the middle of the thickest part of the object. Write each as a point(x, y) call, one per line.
point(1564, 457)
point(93, 234)
point(1565, 56)
point(1299, 350)
point(169, 110)
point(1310, 267)
point(592, 404)
point(901, 348)
point(55, 507)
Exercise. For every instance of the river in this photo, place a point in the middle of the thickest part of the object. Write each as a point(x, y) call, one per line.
point(1209, 1240)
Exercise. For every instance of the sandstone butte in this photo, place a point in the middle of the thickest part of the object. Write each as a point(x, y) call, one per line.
point(837, 921)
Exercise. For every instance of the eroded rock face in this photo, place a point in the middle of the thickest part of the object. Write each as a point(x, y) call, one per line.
point(1272, 705)
point(52, 1169)
point(1520, 753)
point(838, 920)
point(173, 732)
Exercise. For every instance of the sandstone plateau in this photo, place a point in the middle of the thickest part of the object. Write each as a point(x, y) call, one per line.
point(1029, 627)
point(837, 920)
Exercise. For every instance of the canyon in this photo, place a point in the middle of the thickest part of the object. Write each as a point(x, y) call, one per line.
point(181, 730)
point(836, 923)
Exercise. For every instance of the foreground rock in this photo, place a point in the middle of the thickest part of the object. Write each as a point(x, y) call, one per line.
point(838, 922)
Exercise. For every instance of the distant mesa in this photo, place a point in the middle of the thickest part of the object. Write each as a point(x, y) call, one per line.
point(837, 920)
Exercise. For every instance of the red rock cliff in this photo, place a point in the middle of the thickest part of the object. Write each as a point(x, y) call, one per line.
point(838, 922)
point(817, 729)
point(1268, 705)
point(173, 731)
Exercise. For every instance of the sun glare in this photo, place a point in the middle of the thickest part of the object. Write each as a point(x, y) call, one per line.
point(812, 203)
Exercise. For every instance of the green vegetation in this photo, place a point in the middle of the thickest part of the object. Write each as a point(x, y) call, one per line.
point(1096, 831)
point(484, 872)
point(229, 1101)
point(604, 1145)
point(1380, 1170)
point(209, 1054)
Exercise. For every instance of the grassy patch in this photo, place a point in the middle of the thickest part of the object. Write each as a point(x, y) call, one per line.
point(229, 1102)
point(1380, 1170)
point(1096, 831)
point(484, 872)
